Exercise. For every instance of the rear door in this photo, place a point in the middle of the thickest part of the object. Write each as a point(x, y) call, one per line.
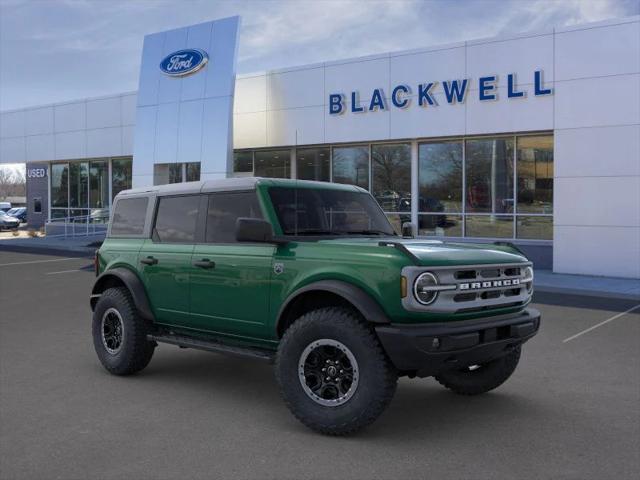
point(165, 258)
point(230, 281)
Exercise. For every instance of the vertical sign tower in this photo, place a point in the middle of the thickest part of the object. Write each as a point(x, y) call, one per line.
point(185, 100)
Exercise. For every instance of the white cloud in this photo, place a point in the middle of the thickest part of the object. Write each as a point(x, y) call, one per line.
point(79, 48)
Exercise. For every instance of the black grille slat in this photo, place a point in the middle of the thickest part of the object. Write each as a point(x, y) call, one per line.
point(465, 275)
point(464, 297)
point(490, 273)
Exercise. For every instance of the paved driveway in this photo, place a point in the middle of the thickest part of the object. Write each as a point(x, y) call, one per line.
point(572, 410)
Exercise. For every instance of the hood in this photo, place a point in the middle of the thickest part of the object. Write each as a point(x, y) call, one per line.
point(441, 253)
point(438, 253)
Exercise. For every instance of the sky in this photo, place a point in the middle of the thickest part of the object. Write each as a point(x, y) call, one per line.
point(58, 50)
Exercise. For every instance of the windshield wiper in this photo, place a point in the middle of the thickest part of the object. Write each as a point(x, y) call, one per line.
point(313, 231)
point(369, 232)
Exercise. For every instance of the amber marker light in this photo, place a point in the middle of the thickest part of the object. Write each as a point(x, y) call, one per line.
point(403, 287)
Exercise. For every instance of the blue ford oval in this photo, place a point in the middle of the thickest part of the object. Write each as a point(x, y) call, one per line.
point(184, 62)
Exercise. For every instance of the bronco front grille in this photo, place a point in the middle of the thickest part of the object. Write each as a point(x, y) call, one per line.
point(472, 288)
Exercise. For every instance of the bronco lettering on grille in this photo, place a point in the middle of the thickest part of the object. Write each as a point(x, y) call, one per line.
point(491, 284)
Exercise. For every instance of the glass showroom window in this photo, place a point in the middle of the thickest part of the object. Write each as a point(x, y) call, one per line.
point(391, 175)
point(313, 164)
point(272, 163)
point(78, 189)
point(166, 173)
point(440, 169)
point(99, 190)
point(351, 165)
point(243, 161)
point(489, 187)
point(59, 190)
point(121, 172)
point(534, 166)
point(193, 171)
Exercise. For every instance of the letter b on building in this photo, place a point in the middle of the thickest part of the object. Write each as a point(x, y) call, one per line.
point(336, 101)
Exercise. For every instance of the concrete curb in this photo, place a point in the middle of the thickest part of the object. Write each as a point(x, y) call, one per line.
point(587, 293)
point(44, 250)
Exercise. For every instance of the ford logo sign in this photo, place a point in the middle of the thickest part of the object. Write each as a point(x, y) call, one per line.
point(184, 62)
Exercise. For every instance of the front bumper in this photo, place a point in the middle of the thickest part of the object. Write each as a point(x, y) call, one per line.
point(428, 349)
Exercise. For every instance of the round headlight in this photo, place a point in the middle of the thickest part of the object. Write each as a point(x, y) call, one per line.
point(422, 288)
point(528, 278)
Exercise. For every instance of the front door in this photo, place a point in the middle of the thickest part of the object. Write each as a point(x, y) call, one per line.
point(230, 281)
point(165, 259)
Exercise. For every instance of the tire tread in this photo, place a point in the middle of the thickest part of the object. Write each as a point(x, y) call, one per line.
point(346, 318)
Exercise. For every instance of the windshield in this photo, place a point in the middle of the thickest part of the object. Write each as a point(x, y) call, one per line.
point(306, 211)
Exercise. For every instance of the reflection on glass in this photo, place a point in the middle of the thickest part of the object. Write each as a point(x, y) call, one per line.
point(351, 165)
point(98, 185)
point(79, 184)
point(79, 215)
point(59, 213)
point(440, 177)
point(392, 176)
point(59, 185)
point(489, 170)
point(273, 164)
point(397, 219)
point(193, 172)
point(313, 164)
point(120, 175)
point(440, 225)
point(539, 228)
point(535, 174)
point(491, 226)
point(166, 173)
point(243, 161)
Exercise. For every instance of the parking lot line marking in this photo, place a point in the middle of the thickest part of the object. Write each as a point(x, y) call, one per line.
point(66, 271)
point(41, 261)
point(600, 324)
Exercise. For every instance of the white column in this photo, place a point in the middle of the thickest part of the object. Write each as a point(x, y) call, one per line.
point(415, 187)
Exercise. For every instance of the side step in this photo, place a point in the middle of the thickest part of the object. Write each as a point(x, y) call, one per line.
point(212, 346)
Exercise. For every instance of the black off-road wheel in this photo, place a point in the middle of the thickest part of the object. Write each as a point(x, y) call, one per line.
point(120, 334)
point(332, 372)
point(477, 379)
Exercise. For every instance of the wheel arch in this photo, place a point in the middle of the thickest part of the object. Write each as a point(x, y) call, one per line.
point(123, 277)
point(328, 293)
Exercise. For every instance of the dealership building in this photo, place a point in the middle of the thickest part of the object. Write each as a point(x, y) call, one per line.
point(531, 138)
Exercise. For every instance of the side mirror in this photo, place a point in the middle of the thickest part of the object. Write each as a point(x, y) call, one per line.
point(253, 230)
point(407, 229)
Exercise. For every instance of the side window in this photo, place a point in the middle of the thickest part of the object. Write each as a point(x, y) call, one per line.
point(129, 215)
point(176, 219)
point(224, 209)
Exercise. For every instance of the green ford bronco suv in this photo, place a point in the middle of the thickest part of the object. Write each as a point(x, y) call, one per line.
point(310, 276)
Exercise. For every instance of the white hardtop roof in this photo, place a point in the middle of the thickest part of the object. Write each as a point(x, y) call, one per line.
point(228, 184)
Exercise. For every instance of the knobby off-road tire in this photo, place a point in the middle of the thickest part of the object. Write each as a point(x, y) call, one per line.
point(120, 334)
point(481, 378)
point(334, 337)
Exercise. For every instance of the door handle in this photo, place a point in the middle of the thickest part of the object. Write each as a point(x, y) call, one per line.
point(149, 260)
point(204, 263)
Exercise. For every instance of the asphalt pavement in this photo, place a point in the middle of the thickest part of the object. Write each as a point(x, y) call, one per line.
point(571, 410)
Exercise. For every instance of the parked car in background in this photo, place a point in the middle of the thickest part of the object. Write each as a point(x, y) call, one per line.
point(5, 206)
point(20, 213)
point(8, 222)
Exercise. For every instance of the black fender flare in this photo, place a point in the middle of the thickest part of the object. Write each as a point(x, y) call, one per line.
point(368, 307)
point(132, 282)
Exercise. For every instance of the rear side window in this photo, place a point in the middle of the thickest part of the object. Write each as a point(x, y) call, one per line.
point(224, 209)
point(129, 215)
point(176, 219)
